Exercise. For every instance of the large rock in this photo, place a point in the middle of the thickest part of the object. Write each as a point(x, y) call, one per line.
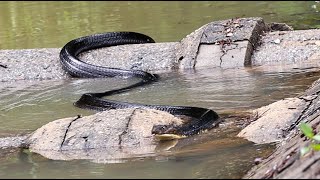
point(230, 43)
point(301, 48)
point(225, 44)
point(287, 162)
point(270, 122)
point(105, 136)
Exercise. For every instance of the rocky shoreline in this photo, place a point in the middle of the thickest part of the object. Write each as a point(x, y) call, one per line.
point(287, 161)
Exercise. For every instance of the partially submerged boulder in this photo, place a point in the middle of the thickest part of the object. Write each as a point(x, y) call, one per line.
point(272, 121)
point(284, 117)
point(107, 136)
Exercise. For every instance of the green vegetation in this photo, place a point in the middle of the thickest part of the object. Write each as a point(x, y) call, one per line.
point(315, 139)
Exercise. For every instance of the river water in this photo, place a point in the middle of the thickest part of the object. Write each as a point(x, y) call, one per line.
point(27, 105)
point(52, 24)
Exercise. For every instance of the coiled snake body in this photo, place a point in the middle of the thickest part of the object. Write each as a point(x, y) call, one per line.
point(202, 118)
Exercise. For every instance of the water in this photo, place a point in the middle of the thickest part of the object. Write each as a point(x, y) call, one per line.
point(52, 24)
point(26, 106)
point(204, 162)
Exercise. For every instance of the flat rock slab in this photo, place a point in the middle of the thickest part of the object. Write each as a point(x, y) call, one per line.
point(225, 44)
point(108, 135)
point(288, 47)
point(13, 142)
point(151, 57)
point(230, 43)
point(44, 64)
point(31, 64)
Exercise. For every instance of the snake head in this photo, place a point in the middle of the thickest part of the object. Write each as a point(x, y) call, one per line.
point(164, 129)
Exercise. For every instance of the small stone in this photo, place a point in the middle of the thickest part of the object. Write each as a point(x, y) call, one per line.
point(257, 161)
point(277, 41)
point(229, 34)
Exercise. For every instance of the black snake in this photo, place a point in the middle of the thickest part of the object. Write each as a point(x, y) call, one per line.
point(201, 118)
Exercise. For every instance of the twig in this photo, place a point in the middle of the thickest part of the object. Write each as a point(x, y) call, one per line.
point(4, 66)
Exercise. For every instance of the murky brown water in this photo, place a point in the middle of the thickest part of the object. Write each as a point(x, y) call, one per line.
point(25, 106)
